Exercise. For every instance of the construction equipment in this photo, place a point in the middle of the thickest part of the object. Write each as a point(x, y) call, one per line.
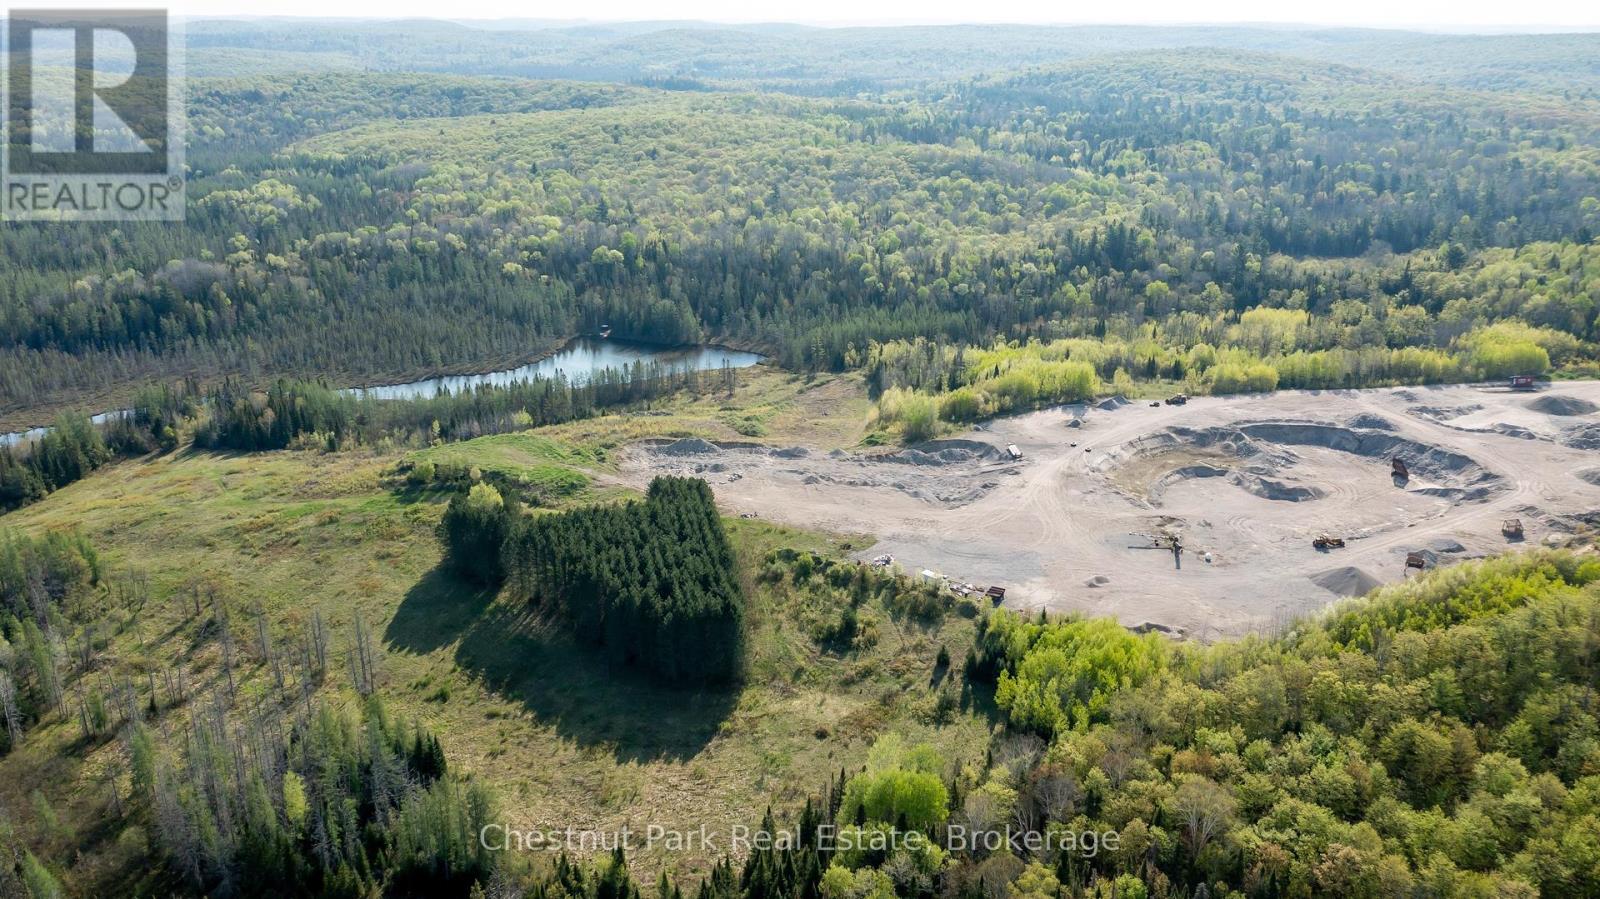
point(998, 594)
point(1177, 399)
point(1523, 382)
point(1013, 452)
point(1511, 528)
point(1417, 561)
point(1325, 542)
point(1399, 469)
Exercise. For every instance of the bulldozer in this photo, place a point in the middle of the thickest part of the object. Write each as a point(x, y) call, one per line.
point(1326, 542)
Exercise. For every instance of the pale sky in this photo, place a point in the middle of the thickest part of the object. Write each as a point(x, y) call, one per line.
point(1443, 15)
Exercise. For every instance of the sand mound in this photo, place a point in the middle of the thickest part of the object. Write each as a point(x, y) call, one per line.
point(1346, 581)
point(1556, 404)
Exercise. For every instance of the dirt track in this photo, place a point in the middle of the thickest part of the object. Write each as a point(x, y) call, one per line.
point(1249, 480)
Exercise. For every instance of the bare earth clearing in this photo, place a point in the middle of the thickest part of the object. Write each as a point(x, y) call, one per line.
point(1251, 481)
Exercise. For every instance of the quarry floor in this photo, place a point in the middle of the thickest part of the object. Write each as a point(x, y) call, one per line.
point(1246, 482)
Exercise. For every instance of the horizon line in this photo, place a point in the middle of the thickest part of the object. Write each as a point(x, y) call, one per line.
point(541, 23)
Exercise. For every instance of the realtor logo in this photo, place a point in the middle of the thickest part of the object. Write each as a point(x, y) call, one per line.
point(93, 106)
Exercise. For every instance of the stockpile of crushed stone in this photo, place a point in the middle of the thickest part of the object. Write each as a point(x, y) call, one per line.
point(1346, 581)
point(688, 446)
point(944, 452)
point(1556, 404)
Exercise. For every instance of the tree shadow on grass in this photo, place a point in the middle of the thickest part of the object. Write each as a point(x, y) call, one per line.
point(977, 697)
point(586, 697)
point(436, 611)
point(570, 686)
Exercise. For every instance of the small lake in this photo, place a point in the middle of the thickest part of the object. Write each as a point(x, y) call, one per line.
point(16, 437)
point(578, 361)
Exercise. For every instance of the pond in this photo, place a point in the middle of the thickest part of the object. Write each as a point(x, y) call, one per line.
point(578, 361)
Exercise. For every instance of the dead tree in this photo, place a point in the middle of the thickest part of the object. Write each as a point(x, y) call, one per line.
point(264, 648)
point(86, 649)
point(9, 710)
point(263, 637)
point(363, 660)
point(128, 698)
point(225, 640)
point(319, 642)
point(111, 783)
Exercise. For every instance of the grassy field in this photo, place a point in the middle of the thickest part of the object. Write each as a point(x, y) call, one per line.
point(567, 739)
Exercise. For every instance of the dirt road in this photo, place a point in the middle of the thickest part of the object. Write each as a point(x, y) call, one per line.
point(1245, 483)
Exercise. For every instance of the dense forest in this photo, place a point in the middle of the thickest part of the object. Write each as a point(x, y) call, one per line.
point(1435, 740)
point(652, 582)
point(360, 227)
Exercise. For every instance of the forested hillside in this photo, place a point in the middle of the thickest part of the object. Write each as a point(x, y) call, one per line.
point(364, 227)
point(845, 61)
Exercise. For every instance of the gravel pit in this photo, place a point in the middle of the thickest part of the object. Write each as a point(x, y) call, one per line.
point(1245, 484)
